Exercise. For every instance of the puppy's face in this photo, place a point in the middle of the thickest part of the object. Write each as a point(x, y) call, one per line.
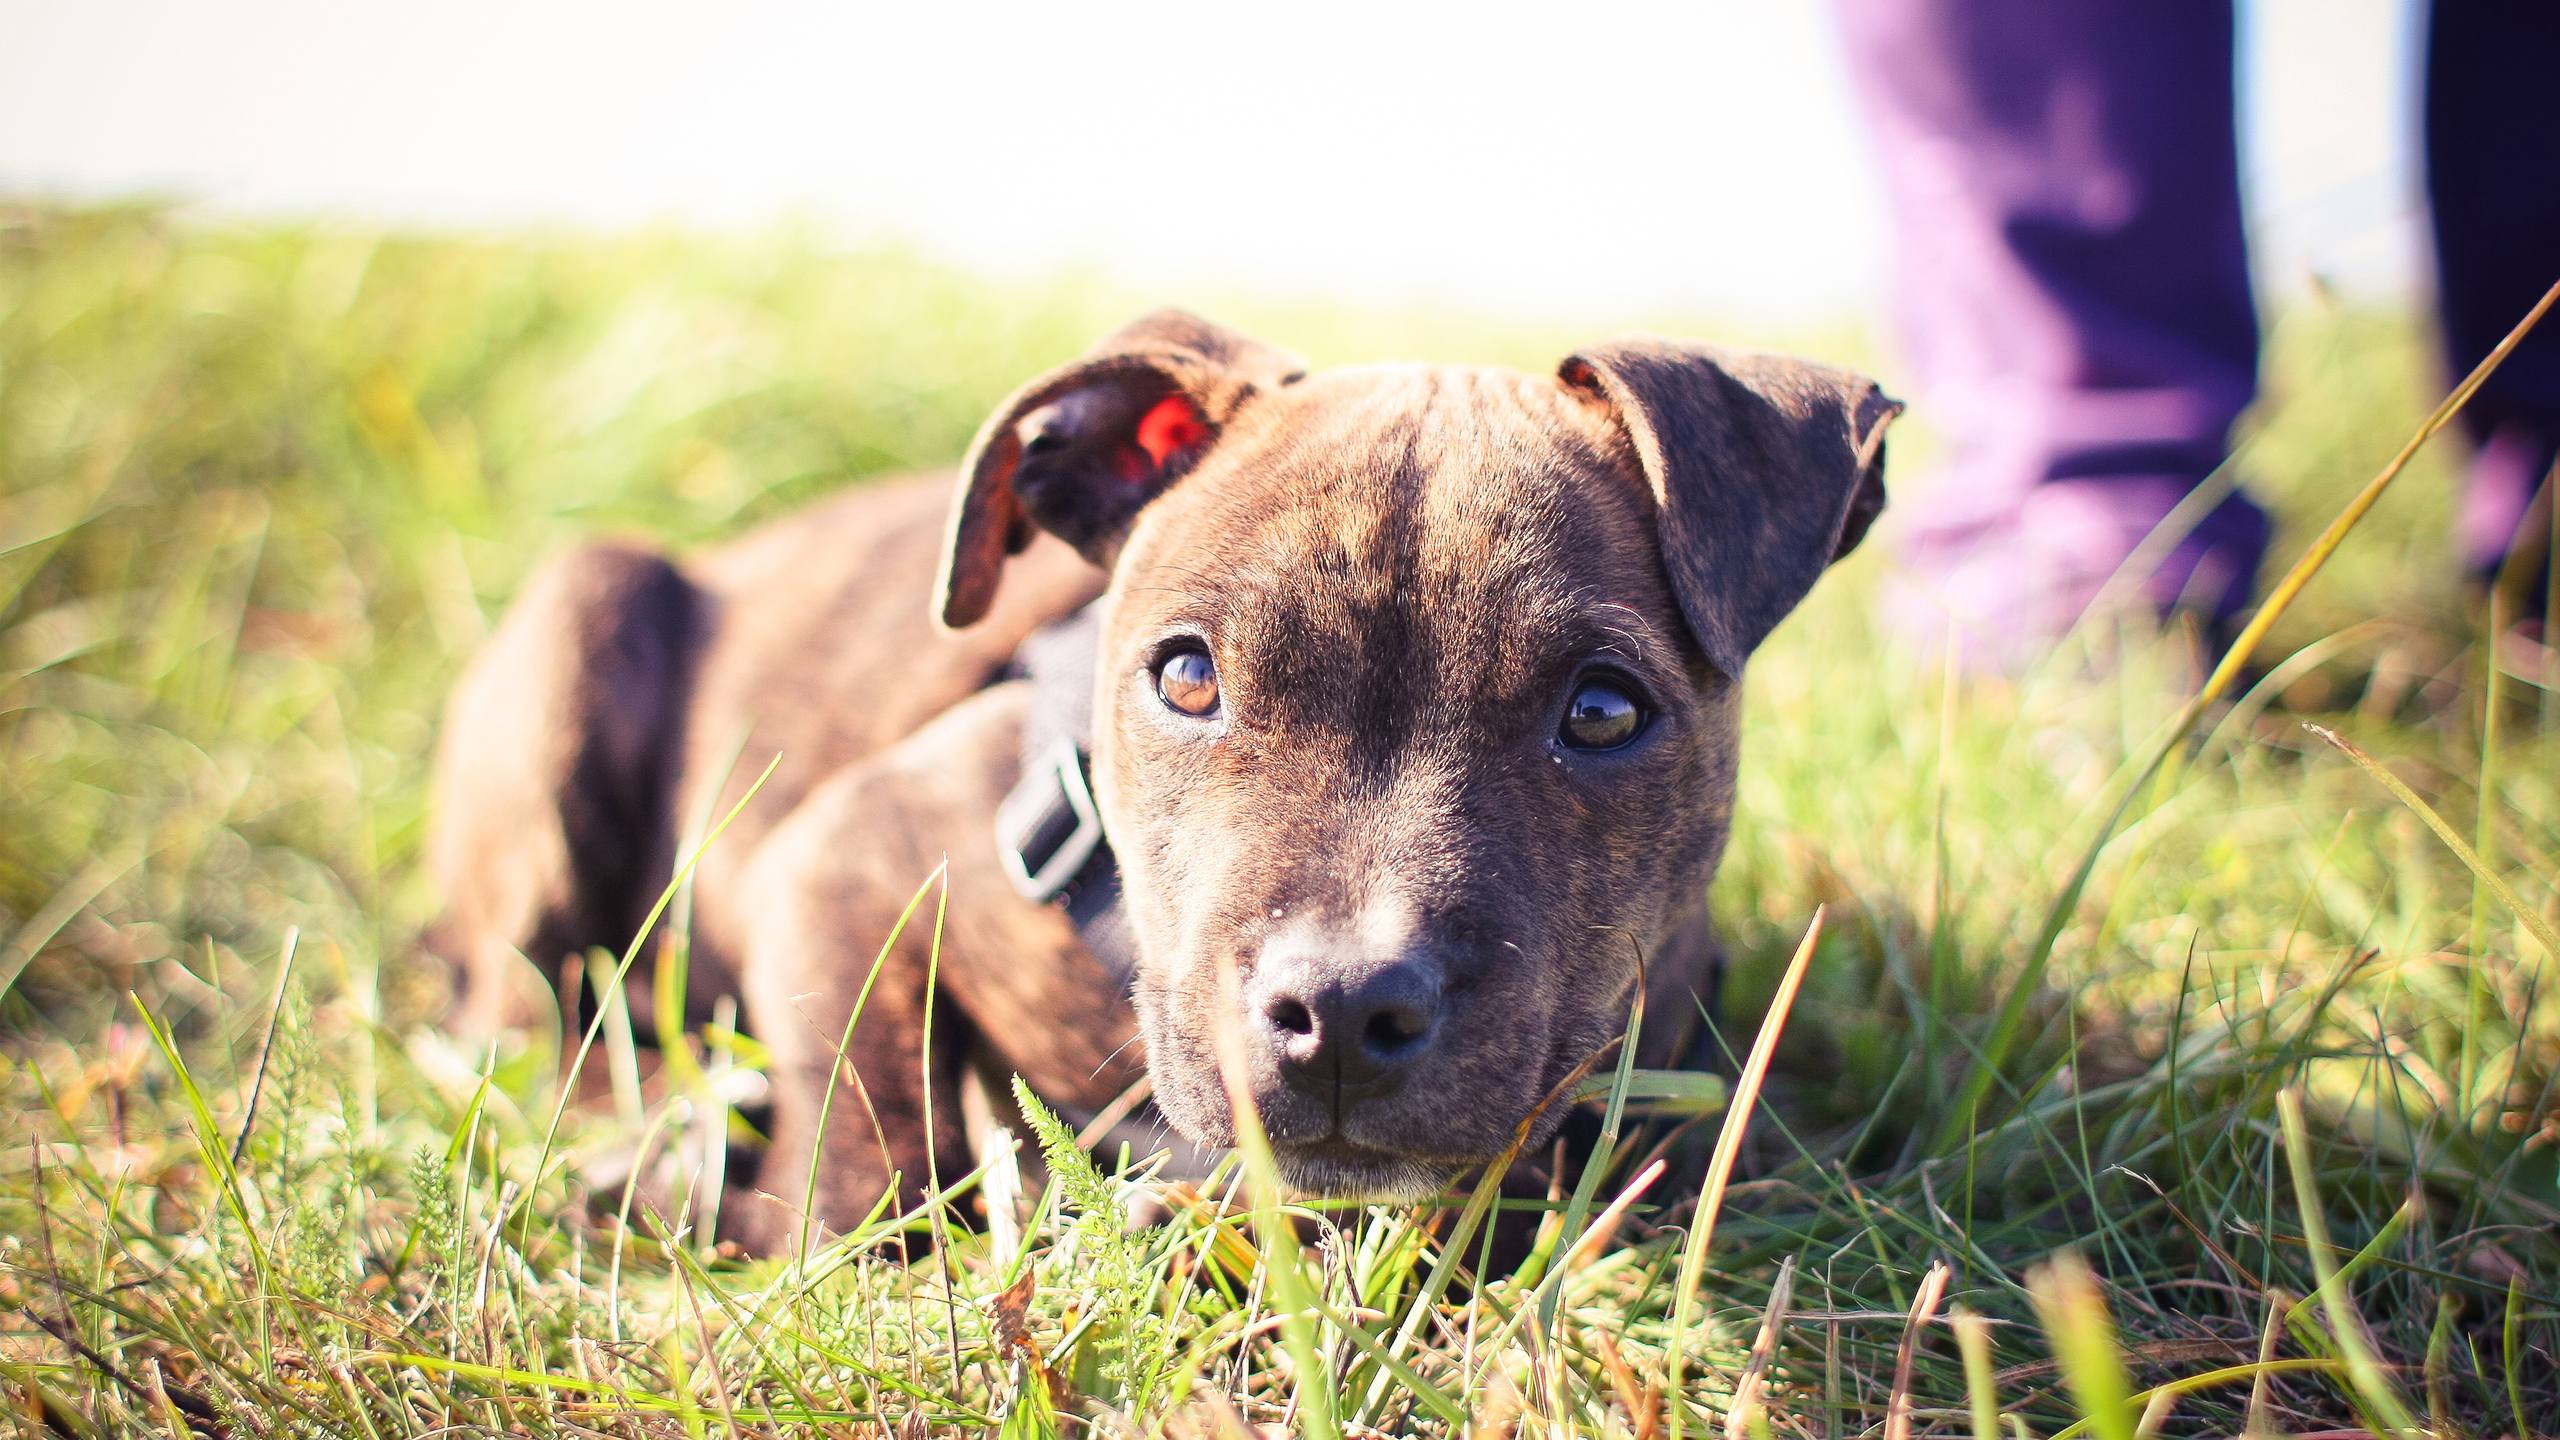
point(1407, 756)
point(1416, 701)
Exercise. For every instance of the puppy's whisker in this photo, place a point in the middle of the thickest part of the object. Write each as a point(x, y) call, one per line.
point(1114, 1055)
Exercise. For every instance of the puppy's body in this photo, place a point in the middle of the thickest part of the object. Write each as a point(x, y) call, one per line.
point(627, 701)
point(673, 684)
point(1410, 895)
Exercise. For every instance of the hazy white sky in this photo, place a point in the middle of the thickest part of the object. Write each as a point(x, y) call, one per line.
point(1555, 159)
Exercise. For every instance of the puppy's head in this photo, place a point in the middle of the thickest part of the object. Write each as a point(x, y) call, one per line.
point(1415, 716)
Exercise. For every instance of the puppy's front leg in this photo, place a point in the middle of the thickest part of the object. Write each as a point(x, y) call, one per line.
point(820, 903)
point(820, 897)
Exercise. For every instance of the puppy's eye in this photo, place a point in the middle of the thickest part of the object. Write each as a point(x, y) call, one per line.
point(1188, 683)
point(1603, 714)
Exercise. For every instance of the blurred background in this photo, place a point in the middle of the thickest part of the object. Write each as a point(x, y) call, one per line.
point(320, 323)
point(1593, 164)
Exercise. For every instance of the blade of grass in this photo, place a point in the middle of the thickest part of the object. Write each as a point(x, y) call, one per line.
point(2364, 1370)
point(1746, 1096)
point(2004, 1029)
point(1588, 1183)
point(2530, 917)
point(2485, 845)
point(670, 980)
point(208, 1138)
point(266, 1046)
point(2510, 1332)
point(844, 1043)
point(2270, 1334)
point(1764, 1351)
point(1924, 1308)
point(621, 972)
point(1312, 1391)
point(936, 1206)
point(2257, 1372)
point(1425, 1302)
point(2345, 1274)
point(1432, 1397)
point(1605, 1227)
point(1982, 1395)
point(2074, 1312)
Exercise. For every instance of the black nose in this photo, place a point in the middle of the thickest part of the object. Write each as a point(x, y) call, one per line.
point(1328, 1022)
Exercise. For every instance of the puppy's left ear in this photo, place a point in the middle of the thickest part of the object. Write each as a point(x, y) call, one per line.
point(1766, 469)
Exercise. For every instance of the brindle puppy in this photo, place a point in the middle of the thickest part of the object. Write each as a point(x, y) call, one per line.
point(1415, 737)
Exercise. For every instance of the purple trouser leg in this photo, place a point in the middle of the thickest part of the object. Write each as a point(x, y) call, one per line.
point(2074, 291)
point(2493, 179)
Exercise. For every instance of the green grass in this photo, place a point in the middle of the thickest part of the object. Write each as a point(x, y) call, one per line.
point(2271, 1145)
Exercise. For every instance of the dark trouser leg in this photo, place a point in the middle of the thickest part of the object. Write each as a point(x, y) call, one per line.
point(2493, 178)
point(2073, 288)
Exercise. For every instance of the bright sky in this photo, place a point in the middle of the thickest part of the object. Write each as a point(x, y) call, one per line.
point(1586, 160)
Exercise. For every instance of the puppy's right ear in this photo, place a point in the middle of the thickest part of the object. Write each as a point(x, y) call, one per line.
point(1079, 451)
point(1765, 468)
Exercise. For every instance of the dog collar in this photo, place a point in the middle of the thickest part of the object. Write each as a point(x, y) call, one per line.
point(1048, 831)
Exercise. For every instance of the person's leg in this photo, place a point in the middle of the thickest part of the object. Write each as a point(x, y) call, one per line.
point(2493, 180)
point(2074, 292)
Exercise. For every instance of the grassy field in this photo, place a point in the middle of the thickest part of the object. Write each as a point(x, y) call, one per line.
point(2112, 1102)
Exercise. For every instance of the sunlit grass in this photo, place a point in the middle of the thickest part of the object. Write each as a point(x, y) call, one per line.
point(2270, 1143)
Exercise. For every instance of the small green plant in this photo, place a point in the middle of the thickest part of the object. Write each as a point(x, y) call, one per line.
point(1123, 1327)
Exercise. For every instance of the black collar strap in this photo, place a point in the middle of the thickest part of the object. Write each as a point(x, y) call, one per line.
point(1048, 831)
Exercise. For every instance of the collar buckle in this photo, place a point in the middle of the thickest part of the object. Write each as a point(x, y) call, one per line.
point(1047, 827)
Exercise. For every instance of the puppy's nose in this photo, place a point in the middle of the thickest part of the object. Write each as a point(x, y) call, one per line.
point(1329, 1022)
